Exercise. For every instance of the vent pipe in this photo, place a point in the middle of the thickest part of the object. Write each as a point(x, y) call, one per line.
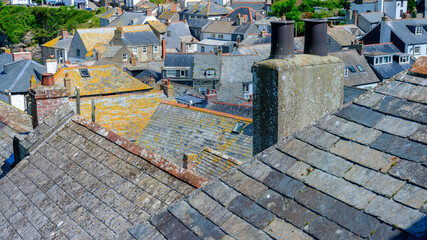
point(47, 79)
point(315, 37)
point(282, 39)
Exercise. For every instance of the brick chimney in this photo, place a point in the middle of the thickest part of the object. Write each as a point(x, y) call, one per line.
point(45, 98)
point(211, 97)
point(21, 55)
point(293, 91)
point(190, 161)
point(151, 81)
point(63, 33)
point(149, 12)
point(163, 48)
point(167, 88)
point(182, 46)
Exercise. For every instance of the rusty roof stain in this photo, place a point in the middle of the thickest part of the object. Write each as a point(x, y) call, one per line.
point(419, 68)
point(103, 80)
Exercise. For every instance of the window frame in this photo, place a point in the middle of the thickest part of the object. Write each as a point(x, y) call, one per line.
point(135, 50)
point(361, 69)
point(352, 69)
point(346, 72)
point(144, 49)
point(125, 57)
point(156, 48)
point(210, 73)
point(419, 50)
point(418, 31)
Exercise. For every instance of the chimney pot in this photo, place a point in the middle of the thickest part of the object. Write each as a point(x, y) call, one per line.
point(282, 39)
point(315, 37)
point(47, 79)
point(21, 49)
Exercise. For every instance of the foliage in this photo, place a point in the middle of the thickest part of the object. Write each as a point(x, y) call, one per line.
point(44, 22)
point(101, 10)
point(158, 1)
point(286, 7)
point(412, 4)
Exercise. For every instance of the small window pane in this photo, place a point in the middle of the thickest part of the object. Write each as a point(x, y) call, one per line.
point(352, 69)
point(360, 68)
point(125, 57)
point(135, 50)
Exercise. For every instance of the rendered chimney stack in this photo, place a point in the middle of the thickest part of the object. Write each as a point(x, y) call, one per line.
point(151, 81)
point(67, 84)
point(183, 50)
point(51, 65)
point(190, 162)
point(282, 40)
point(118, 33)
point(21, 55)
point(163, 48)
point(133, 60)
point(315, 37)
point(45, 98)
point(33, 81)
point(355, 17)
point(291, 93)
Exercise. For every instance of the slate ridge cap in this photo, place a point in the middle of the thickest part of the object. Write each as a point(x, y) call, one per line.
point(207, 111)
point(155, 159)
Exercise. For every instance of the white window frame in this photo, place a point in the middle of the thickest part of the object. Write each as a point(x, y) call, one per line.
point(220, 36)
point(135, 50)
point(144, 49)
point(210, 73)
point(182, 73)
point(346, 72)
point(418, 30)
point(168, 73)
point(156, 48)
point(382, 60)
point(125, 57)
point(403, 59)
point(417, 50)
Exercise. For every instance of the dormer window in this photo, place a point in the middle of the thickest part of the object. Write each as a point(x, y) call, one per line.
point(125, 57)
point(403, 59)
point(346, 72)
point(210, 73)
point(382, 60)
point(418, 31)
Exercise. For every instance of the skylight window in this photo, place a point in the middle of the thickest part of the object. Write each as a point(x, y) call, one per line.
point(84, 72)
point(360, 68)
point(238, 127)
point(351, 68)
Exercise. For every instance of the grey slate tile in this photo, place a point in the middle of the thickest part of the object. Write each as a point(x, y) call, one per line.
point(274, 202)
point(401, 147)
point(298, 215)
point(328, 162)
point(403, 108)
point(283, 184)
point(219, 215)
point(339, 188)
point(278, 160)
point(318, 138)
point(282, 230)
point(144, 231)
point(384, 184)
point(397, 126)
point(420, 135)
point(359, 175)
point(363, 155)
point(196, 222)
point(246, 185)
point(220, 192)
point(341, 127)
point(370, 100)
point(257, 170)
point(397, 214)
point(385, 232)
point(322, 228)
point(350, 218)
point(250, 211)
point(295, 148)
point(299, 170)
point(202, 202)
point(361, 115)
point(412, 196)
point(171, 228)
point(234, 226)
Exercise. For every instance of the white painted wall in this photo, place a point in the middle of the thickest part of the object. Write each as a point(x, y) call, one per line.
point(394, 8)
point(423, 49)
point(20, 2)
point(18, 101)
point(226, 37)
point(207, 48)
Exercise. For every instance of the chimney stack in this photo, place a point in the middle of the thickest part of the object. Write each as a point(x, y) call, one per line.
point(163, 48)
point(355, 17)
point(291, 93)
point(315, 37)
point(167, 88)
point(183, 50)
point(151, 81)
point(21, 55)
point(149, 12)
point(282, 40)
point(67, 84)
point(190, 161)
point(118, 33)
point(51, 65)
point(63, 33)
point(211, 97)
point(33, 81)
point(45, 98)
point(133, 60)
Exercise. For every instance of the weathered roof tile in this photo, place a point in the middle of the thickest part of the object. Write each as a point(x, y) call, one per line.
point(397, 126)
point(328, 162)
point(361, 115)
point(412, 196)
point(384, 184)
point(283, 184)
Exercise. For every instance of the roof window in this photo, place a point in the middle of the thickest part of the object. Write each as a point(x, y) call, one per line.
point(84, 72)
point(360, 68)
point(238, 127)
point(351, 68)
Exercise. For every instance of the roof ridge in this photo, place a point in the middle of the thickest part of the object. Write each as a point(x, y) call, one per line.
point(155, 159)
point(207, 111)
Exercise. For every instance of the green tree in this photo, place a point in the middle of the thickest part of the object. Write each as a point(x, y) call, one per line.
point(412, 4)
point(286, 7)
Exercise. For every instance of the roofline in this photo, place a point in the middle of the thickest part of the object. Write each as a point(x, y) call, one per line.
point(234, 104)
point(208, 111)
point(155, 159)
point(376, 44)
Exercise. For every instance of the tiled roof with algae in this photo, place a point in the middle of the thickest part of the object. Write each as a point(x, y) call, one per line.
point(103, 80)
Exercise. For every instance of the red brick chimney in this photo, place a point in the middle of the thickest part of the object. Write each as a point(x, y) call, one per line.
point(45, 98)
point(21, 55)
point(211, 97)
point(163, 49)
point(167, 88)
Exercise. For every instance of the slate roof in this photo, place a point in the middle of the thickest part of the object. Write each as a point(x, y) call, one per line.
point(206, 9)
point(381, 47)
point(16, 75)
point(357, 173)
point(242, 110)
point(255, 39)
point(352, 58)
point(140, 38)
point(250, 14)
point(175, 129)
point(180, 60)
point(109, 13)
point(167, 14)
point(341, 36)
point(205, 61)
point(124, 114)
point(267, 20)
point(227, 27)
point(4, 59)
point(103, 80)
point(198, 23)
point(372, 17)
point(400, 28)
point(351, 93)
point(59, 42)
point(211, 163)
point(94, 36)
point(262, 50)
point(85, 182)
point(129, 18)
point(157, 26)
